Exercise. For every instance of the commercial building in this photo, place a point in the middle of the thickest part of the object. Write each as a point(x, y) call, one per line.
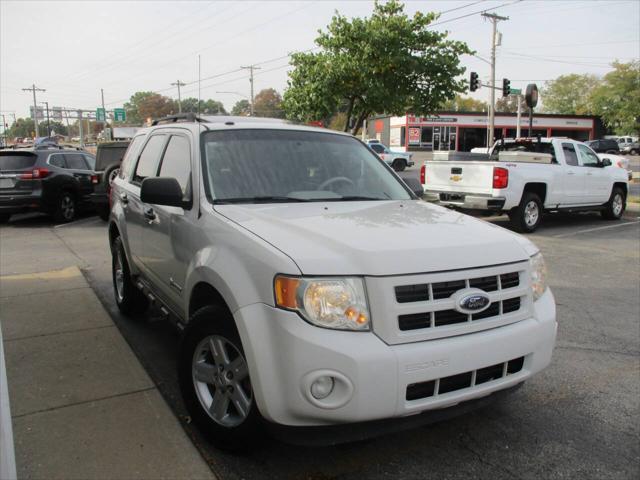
point(462, 131)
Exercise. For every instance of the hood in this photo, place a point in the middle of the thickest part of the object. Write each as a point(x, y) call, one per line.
point(378, 238)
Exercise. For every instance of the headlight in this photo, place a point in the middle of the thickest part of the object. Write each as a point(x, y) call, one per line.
point(538, 275)
point(339, 303)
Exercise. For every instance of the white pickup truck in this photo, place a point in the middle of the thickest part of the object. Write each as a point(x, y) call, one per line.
point(527, 177)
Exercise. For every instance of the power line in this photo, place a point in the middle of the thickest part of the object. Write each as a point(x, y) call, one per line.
point(35, 89)
point(475, 13)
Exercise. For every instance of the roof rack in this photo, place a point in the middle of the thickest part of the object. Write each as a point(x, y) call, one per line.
point(187, 117)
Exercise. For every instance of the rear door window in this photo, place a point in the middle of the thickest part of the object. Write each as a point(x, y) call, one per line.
point(570, 155)
point(91, 161)
point(57, 160)
point(17, 161)
point(149, 158)
point(75, 161)
point(377, 148)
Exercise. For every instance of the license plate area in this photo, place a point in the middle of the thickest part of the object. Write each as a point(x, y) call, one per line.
point(7, 182)
point(451, 197)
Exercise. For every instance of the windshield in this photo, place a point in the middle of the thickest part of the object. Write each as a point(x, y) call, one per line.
point(261, 165)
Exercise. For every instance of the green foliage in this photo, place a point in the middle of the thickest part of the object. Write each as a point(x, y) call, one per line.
point(387, 63)
point(268, 103)
point(207, 107)
point(241, 108)
point(464, 104)
point(56, 127)
point(617, 99)
point(569, 94)
point(23, 127)
point(148, 105)
point(510, 104)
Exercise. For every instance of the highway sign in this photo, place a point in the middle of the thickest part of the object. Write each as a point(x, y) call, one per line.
point(516, 91)
point(119, 114)
point(101, 115)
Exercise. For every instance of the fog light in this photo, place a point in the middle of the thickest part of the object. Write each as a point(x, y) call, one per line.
point(322, 387)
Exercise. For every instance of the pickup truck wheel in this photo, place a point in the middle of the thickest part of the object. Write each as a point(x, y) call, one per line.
point(399, 165)
point(633, 151)
point(214, 380)
point(66, 208)
point(526, 217)
point(615, 206)
point(129, 298)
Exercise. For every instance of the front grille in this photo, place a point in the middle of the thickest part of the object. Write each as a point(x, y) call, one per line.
point(412, 293)
point(415, 321)
point(446, 289)
point(509, 280)
point(453, 383)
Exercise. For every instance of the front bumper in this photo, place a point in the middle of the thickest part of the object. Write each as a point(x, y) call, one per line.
point(285, 354)
point(467, 200)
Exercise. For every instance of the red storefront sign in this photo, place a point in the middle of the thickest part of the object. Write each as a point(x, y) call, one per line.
point(414, 136)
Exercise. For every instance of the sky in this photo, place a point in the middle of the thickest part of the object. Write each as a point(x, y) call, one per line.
point(73, 49)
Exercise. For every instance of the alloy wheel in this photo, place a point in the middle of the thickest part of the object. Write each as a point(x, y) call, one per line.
point(617, 204)
point(531, 214)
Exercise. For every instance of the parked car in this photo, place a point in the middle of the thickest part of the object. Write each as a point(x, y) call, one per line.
point(604, 145)
point(624, 142)
point(282, 253)
point(47, 179)
point(526, 178)
point(631, 148)
point(398, 160)
point(108, 159)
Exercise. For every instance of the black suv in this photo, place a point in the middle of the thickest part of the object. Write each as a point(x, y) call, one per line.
point(108, 160)
point(605, 145)
point(53, 180)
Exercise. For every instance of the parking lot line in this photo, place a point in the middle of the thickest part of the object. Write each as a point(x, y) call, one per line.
point(83, 221)
point(578, 232)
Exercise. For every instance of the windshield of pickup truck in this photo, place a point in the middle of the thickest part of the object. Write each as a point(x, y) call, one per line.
point(525, 146)
point(269, 166)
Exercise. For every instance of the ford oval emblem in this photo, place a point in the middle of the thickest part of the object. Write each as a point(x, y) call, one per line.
point(475, 302)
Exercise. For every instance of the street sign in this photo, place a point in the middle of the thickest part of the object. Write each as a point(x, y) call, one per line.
point(119, 115)
point(516, 91)
point(101, 115)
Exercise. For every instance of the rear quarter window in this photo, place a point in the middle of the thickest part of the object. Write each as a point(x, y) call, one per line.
point(17, 161)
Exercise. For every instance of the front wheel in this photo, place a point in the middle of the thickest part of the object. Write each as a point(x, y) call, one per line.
point(633, 151)
point(399, 165)
point(129, 298)
point(526, 217)
point(214, 380)
point(616, 205)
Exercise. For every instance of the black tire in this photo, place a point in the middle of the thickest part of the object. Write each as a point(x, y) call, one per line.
point(526, 217)
point(616, 205)
point(242, 430)
point(130, 300)
point(633, 151)
point(399, 165)
point(612, 152)
point(66, 207)
point(4, 217)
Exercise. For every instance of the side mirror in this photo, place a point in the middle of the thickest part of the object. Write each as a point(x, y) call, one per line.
point(415, 186)
point(162, 191)
point(606, 162)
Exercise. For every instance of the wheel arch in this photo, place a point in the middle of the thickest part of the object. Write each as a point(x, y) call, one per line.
point(539, 188)
point(623, 186)
point(204, 294)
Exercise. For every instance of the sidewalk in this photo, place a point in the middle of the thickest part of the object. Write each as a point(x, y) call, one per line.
point(81, 403)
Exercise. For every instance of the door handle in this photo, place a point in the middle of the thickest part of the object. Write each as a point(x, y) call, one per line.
point(124, 198)
point(571, 173)
point(149, 214)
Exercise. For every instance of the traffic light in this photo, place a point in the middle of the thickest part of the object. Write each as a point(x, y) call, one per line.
point(474, 84)
point(506, 87)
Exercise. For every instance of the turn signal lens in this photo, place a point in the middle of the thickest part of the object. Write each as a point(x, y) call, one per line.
point(286, 291)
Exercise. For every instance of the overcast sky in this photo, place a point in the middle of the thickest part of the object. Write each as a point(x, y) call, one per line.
point(73, 49)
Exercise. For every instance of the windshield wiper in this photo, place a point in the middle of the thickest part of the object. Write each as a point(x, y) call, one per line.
point(259, 199)
point(351, 198)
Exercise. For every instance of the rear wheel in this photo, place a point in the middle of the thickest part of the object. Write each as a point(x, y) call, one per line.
point(633, 151)
point(214, 380)
point(616, 205)
point(399, 164)
point(526, 217)
point(66, 208)
point(129, 298)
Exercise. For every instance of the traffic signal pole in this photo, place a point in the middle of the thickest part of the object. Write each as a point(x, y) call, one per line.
point(492, 104)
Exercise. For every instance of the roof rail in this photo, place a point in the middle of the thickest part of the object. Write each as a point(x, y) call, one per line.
point(187, 117)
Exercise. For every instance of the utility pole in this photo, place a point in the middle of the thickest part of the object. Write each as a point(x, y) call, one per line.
point(519, 98)
point(35, 89)
point(81, 133)
point(48, 123)
point(492, 105)
point(251, 68)
point(179, 84)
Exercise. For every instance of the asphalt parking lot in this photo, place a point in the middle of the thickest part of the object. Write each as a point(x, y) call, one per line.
point(578, 419)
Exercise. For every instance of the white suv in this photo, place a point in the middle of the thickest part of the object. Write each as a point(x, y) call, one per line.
point(282, 252)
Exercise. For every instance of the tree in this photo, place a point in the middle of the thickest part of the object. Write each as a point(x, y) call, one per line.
point(617, 99)
point(145, 105)
point(387, 63)
point(569, 94)
point(464, 104)
point(22, 127)
point(56, 127)
point(207, 107)
point(509, 104)
point(242, 108)
point(268, 103)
